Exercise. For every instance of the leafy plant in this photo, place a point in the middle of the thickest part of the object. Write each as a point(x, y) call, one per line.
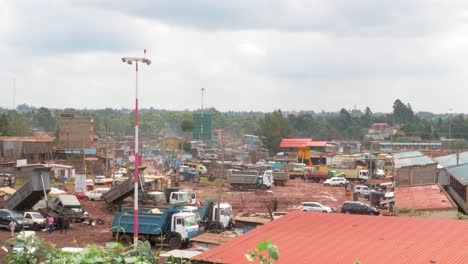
point(266, 246)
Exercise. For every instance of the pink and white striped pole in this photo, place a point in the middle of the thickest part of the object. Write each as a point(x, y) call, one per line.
point(130, 60)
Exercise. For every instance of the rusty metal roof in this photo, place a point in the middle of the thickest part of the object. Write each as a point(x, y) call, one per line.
point(305, 237)
point(422, 197)
point(28, 139)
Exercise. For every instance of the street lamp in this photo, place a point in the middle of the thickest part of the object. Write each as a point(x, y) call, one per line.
point(136, 60)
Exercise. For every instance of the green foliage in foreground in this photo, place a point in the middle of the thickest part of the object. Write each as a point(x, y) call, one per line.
point(257, 254)
point(34, 250)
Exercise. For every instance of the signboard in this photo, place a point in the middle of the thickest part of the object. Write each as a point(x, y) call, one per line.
point(21, 163)
point(80, 183)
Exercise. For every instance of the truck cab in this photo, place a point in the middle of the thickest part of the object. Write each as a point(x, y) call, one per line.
point(186, 225)
point(183, 197)
point(266, 179)
point(225, 214)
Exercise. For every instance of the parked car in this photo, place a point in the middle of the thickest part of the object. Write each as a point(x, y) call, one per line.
point(359, 208)
point(96, 194)
point(315, 207)
point(380, 173)
point(335, 181)
point(362, 190)
point(38, 220)
point(6, 216)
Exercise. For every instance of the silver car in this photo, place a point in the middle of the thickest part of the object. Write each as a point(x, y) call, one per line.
point(315, 207)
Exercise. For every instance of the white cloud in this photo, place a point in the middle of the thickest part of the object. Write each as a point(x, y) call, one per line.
point(260, 55)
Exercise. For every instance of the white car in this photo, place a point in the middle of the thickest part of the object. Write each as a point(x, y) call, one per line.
point(315, 207)
point(380, 173)
point(362, 190)
point(96, 194)
point(335, 181)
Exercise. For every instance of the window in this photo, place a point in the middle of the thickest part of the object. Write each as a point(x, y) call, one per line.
point(178, 221)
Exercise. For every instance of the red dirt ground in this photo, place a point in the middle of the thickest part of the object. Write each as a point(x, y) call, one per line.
point(289, 198)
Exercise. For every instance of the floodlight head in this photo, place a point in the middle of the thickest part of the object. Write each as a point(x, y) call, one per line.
point(124, 60)
point(129, 62)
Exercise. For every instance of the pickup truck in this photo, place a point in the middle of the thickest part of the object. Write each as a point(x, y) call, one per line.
point(38, 221)
point(102, 180)
point(96, 194)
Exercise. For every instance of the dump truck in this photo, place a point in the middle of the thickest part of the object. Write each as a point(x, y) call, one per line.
point(209, 215)
point(357, 174)
point(316, 173)
point(249, 180)
point(67, 205)
point(279, 177)
point(172, 227)
point(118, 193)
point(295, 170)
point(35, 188)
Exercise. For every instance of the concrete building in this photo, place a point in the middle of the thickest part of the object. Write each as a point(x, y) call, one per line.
point(75, 132)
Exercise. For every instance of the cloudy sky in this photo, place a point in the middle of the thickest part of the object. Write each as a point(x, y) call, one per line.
point(256, 55)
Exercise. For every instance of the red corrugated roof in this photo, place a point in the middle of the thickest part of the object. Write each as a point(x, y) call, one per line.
point(306, 238)
point(301, 142)
point(422, 197)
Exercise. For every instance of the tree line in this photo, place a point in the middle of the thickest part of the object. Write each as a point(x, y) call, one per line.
point(271, 127)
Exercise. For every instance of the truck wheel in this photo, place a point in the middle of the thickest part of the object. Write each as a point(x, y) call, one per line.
point(142, 238)
point(263, 187)
point(196, 179)
point(181, 178)
point(125, 239)
point(175, 243)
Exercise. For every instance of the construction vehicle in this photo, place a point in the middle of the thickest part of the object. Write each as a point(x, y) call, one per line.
point(196, 167)
point(185, 174)
point(116, 195)
point(279, 177)
point(249, 180)
point(334, 173)
point(172, 227)
point(35, 188)
point(316, 173)
point(67, 205)
point(295, 170)
point(209, 215)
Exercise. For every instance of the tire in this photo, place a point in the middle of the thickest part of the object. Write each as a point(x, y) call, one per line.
point(142, 238)
point(196, 179)
point(125, 239)
point(371, 213)
point(35, 227)
point(324, 211)
point(175, 243)
point(181, 178)
point(263, 187)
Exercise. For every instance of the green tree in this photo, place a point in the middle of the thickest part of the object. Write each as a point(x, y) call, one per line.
point(402, 113)
point(272, 128)
point(43, 118)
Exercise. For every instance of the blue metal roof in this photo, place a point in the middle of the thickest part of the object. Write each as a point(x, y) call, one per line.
point(451, 160)
point(407, 154)
point(460, 173)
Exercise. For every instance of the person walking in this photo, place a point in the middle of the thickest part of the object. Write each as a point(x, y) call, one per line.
point(12, 226)
point(65, 225)
point(50, 224)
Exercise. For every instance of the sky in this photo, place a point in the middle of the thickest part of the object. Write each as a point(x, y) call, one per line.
point(249, 55)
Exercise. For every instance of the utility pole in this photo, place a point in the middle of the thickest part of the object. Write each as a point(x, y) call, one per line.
point(221, 177)
point(371, 172)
